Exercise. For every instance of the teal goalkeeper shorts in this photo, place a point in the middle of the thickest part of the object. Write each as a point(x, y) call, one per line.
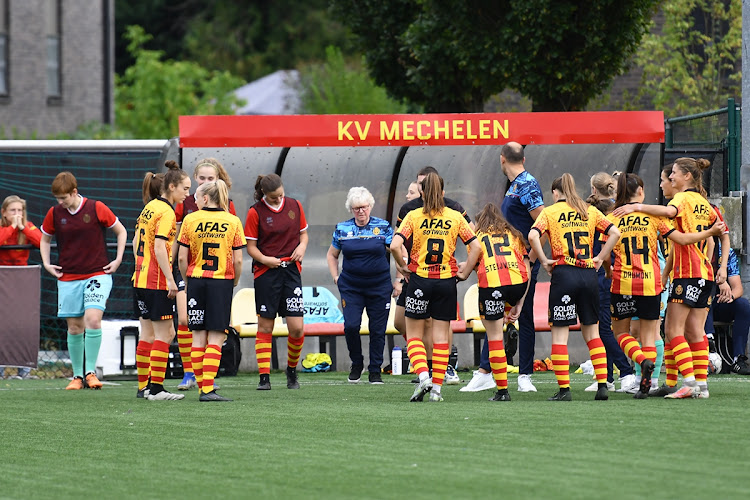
point(74, 297)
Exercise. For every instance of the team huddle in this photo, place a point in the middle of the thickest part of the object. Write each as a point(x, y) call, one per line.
point(189, 250)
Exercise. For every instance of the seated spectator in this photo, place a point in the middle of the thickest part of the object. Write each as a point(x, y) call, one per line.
point(730, 306)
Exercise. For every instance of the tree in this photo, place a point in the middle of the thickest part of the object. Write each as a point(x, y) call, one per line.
point(252, 38)
point(451, 56)
point(335, 88)
point(153, 93)
point(694, 64)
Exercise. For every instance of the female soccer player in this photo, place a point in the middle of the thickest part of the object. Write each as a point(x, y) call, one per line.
point(276, 232)
point(503, 274)
point(210, 256)
point(206, 170)
point(155, 287)
point(570, 224)
point(693, 285)
point(84, 271)
point(637, 275)
point(431, 274)
point(16, 229)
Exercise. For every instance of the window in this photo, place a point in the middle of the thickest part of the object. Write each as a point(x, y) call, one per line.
point(52, 30)
point(3, 48)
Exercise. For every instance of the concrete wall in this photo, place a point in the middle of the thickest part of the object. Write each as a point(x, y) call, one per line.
point(27, 108)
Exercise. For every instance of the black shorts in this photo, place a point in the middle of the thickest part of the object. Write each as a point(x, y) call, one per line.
point(573, 293)
point(177, 275)
point(693, 292)
point(153, 305)
point(279, 291)
point(431, 298)
point(492, 300)
point(401, 299)
point(209, 303)
point(628, 306)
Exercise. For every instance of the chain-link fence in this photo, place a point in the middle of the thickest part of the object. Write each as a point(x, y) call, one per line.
point(111, 172)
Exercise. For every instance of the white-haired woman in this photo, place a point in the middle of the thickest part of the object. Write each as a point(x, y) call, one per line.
point(365, 279)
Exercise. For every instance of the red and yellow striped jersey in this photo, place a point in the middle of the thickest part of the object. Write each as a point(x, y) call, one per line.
point(570, 237)
point(157, 225)
point(636, 269)
point(435, 241)
point(694, 214)
point(211, 235)
point(502, 260)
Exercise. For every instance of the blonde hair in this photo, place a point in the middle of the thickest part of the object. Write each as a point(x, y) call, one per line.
point(221, 172)
point(217, 192)
point(15, 199)
point(604, 184)
point(567, 187)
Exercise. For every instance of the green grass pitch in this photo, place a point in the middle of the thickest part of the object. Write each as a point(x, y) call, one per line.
point(332, 439)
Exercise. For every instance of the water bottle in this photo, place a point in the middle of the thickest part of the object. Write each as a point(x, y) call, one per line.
point(396, 361)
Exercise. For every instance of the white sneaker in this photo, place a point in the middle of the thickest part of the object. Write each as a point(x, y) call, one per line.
point(451, 377)
point(629, 384)
point(595, 387)
point(165, 396)
point(524, 384)
point(479, 382)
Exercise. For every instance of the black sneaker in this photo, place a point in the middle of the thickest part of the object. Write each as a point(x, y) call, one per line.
point(640, 395)
point(602, 393)
point(291, 378)
point(501, 395)
point(647, 369)
point(212, 396)
point(740, 366)
point(564, 395)
point(265, 382)
point(663, 391)
point(355, 374)
point(375, 378)
point(711, 345)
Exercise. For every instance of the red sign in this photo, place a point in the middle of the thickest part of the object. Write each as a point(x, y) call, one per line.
point(594, 127)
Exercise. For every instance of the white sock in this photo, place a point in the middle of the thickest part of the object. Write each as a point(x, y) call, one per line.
point(424, 376)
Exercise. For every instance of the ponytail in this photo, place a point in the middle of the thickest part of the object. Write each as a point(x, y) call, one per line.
point(567, 187)
point(217, 192)
point(432, 195)
point(627, 186)
point(152, 184)
point(266, 184)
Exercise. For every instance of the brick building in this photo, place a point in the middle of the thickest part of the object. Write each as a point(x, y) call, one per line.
point(56, 65)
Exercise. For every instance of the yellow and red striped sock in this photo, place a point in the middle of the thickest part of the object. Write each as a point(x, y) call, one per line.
point(631, 347)
point(599, 359)
point(649, 352)
point(211, 362)
point(185, 343)
point(263, 352)
point(683, 358)
point(196, 354)
point(293, 349)
point(142, 362)
point(498, 363)
point(159, 360)
point(561, 365)
point(669, 365)
point(440, 353)
point(699, 352)
point(417, 355)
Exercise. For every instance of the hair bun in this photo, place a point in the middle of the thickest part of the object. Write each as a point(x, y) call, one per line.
point(171, 165)
point(703, 163)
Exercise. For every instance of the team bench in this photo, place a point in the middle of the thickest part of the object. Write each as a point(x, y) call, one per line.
point(244, 320)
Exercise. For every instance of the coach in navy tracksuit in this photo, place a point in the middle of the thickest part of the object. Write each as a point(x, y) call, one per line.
point(365, 279)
